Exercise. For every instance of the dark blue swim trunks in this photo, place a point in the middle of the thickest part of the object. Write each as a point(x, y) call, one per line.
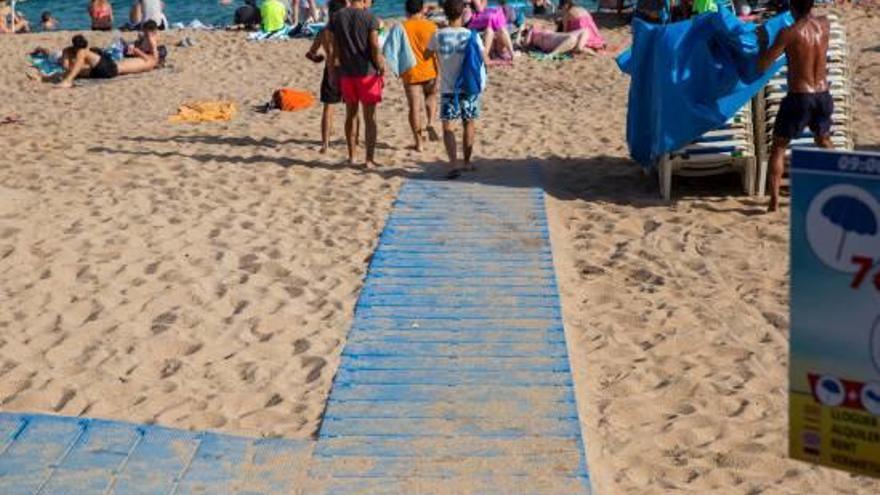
point(801, 110)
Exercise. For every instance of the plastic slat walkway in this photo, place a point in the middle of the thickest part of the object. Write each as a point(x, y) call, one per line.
point(455, 377)
point(54, 455)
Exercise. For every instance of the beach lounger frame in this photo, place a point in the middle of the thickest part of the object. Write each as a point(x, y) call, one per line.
point(730, 148)
point(617, 7)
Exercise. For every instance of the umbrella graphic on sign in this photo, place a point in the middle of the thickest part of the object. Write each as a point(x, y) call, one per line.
point(852, 216)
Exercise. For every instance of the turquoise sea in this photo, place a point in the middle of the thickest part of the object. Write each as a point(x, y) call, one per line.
point(74, 16)
point(73, 13)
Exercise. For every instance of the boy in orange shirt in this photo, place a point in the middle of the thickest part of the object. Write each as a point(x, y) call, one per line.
point(420, 82)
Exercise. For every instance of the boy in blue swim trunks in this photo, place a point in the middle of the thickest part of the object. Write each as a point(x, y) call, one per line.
point(808, 102)
point(449, 44)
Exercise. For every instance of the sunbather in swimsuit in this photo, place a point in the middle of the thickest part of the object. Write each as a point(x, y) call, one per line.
point(493, 23)
point(96, 64)
point(576, 18)
point(554, 43)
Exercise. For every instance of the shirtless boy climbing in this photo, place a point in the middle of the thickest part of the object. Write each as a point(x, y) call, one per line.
point(808, 102)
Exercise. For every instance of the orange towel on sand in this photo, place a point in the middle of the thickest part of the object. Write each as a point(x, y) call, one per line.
point(204, 111)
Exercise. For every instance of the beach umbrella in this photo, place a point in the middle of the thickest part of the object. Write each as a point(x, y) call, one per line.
point(851, 215)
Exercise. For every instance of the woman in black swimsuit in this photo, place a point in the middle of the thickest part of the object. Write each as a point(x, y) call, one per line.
point(85, 62)
point(96, 64)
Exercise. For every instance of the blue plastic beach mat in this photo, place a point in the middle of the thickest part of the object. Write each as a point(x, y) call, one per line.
point(690, 77)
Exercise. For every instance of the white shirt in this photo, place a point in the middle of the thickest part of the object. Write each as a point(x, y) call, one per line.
point(449, 44)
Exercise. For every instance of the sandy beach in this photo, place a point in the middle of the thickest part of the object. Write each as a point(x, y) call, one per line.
point(204, 276)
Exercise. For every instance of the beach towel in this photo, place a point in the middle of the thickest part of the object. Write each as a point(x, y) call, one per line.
point(204, 111)
point(281, 34)
point(398, 53)
point(472, 78)
point(689, 78)
point(545, 57)
point(47, 65)
point(309, 30)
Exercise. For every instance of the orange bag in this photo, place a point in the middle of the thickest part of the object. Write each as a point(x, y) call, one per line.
point(291, 100)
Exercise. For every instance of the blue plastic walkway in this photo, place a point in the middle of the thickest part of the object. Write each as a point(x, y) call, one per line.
point(455, 380)
point(455, 377)
point(49, 455)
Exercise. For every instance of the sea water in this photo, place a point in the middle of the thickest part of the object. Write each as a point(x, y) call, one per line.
point(73, 14)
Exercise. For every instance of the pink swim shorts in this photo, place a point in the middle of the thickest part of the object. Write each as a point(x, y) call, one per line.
point(365, 89)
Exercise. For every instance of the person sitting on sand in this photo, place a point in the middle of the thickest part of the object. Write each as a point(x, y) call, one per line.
point(83, 62)
point(248, 16)
point(808, 102)
point(101, 13)
point(10, 24)
point(554, 43)
point(147, 44)
point(47, 22)
point(492, 22)
point(576, 18)
point(273, 15)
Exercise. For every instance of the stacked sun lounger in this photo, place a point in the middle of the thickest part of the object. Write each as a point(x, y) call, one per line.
point(617, 7)
point(776, 89)
point(730, 148)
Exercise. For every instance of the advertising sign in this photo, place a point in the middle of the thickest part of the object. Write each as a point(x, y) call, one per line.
point(834, 408)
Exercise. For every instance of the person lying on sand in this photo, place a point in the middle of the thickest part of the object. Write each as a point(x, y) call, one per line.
point(80, 61)
point(553, 43)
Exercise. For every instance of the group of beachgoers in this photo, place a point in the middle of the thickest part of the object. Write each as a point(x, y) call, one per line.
point(100, 12)
point(439, 38)
point(271, 16)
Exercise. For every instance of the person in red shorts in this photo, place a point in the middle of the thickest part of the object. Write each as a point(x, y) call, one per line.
point(355, 35)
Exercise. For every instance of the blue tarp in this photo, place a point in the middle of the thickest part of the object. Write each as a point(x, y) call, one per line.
point(689, 78)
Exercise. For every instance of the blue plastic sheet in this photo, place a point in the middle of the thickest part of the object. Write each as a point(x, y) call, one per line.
point(689, 78)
